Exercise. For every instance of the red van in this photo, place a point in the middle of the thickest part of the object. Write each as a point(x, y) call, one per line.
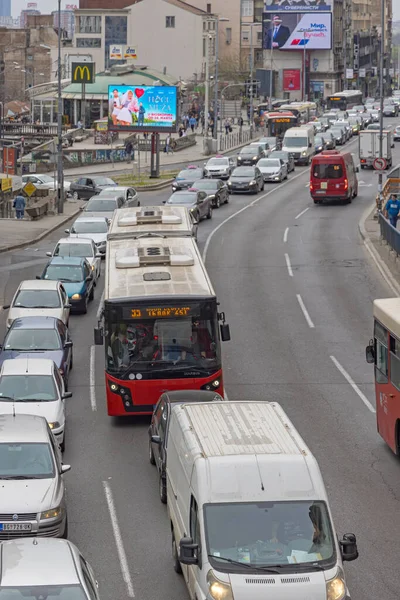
point(333, 177)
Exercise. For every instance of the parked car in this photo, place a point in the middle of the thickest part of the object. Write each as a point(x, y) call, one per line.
point(197, 201)
point(77, 277)
point(86, 187)
point(103, 207)
point(273, 169)
point(287, 158)
point(396, 133)
point(34, 386)
point(249, 155)
point(246, 179)
point(32, 485)
point(94, 228)
point(44, 182)
point(219, 166)
point(79, 248)
point(128, 194)
point(158, 430)
point(330, 140)
point(185, 178)
point(216, 190)
point(320, 144)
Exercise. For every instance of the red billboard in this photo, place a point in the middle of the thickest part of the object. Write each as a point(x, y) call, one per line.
point(9, 160)
point(291, 80)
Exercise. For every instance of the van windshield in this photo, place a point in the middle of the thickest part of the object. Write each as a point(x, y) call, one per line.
point(325, 171)
point(296, 142)
point(268, 534)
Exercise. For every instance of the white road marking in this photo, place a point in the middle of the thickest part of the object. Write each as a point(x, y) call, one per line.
point(92, 378)
point(238, 212)
point(118, 540)
point(285, 235)
point(226, 395)
point(305, 311)
point(289, 266)
point(352, 384)
point(302, 213)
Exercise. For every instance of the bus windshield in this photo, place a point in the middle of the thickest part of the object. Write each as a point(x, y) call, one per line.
point(149, 340)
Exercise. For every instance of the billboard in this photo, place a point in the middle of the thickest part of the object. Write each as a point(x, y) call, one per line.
point(130, 52)
point(142, 108)
point(297, 31)
point(9, 160)
point(298, 5)
point(116, 52)
point(291, 80)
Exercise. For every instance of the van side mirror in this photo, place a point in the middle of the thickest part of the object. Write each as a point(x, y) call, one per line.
point(6, 306)
point(310, 145)
point(225, 332)
point(357, 169)
point(370, 352)
point(49, 254)
point(65, 469)
point(155, 439)
point(98, 336)
point(348, 546)
point(188, 551)
point(67, 230)
point(66, 395)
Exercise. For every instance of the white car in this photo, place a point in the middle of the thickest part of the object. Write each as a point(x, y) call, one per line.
point(273, 169)
point(44, 182)
point(34, 386)
point(39, 298)
point(220, 167)
point(94, 228)
point(79, 248)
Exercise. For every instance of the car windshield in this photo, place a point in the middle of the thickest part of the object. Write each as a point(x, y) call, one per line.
point(104, 181)
point(26, 461)
point(75, 250)
point(46, 178)
point(182, 198)
point(89, 227)
point(327, 171)
point(268, 534)
point(319, 141)
point(243, 172)
point(282, 155)
point(296, 142)
point(271, 141)
point(251, 151)
point(269, 162)
point(68, 273)
point(191, 174)
point(27, 340)
point(223, 162)
point(25, 388)
point(37, 299)
point(206, 184)
point(101, 205)
point(48, 592)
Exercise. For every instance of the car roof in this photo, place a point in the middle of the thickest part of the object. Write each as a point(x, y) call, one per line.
point(183, 192)
point(32, 565)
point(186, 396)
point(23, 428)
point(67, 260)
point(97, 177)
point(84, 219)
point(115, 188)
point(35, 322)
point(27, 366)
point(38, 284)
point(69, 240)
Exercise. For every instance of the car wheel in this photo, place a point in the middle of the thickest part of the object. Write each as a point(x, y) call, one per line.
point(209, 214)
point(163, 488)
point(355, 193)
point(227, 198)
point(65, 532)
point(75, 196)
point(217, 202)
point(175, 557)
point(151, 454)
point(62, 445)
point(71, 362)
point(84, 310)
point(262, 186)
point(91, 295)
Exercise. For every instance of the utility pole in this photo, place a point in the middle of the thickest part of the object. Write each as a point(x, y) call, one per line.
point(251, 82)
point(215, 128)
point(381, 64)
point(207, 84)
point(304, 68)
point(60, 172)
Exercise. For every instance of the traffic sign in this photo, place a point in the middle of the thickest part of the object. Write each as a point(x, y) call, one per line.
point(29, 188)
point(380, 164)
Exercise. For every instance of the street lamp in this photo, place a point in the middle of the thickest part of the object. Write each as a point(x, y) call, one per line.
point(218, 20)
point(381, 64)
point(60, 172)
point(251, 25)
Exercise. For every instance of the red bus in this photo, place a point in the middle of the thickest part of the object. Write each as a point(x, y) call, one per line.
point(159, 322)
point(333, 176)
point(384, 352)
point(277, 123)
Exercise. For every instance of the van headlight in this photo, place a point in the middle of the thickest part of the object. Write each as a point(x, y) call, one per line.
point(219, 590)
point(336, 587)
point(304, 153)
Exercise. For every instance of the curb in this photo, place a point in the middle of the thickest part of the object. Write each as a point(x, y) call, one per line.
point(152, 188)
point(42, 235)
point(379, 263)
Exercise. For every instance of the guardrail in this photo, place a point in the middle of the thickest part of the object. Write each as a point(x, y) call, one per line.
point(30, 129)
point(389, 233)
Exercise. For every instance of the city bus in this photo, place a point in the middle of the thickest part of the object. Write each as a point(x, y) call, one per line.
point(160, 322)
point(305, 111)
point(152, 221)
point(277, 123)
point(384, 352)
point(344, 100)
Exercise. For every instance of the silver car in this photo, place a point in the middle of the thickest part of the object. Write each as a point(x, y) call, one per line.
point(128, 194)
point(94, 228)
point(80, 248)
point(45, 569)
point(32, 499)
point(273, 169)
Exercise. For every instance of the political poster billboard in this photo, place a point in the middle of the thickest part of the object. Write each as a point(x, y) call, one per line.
point(298, 5)
point(297, 31)
point(142, 108)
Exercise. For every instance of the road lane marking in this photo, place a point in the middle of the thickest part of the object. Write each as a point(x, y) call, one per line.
point(352, 384)
point(302, 213)
point(305, 311)
point(92, 378)
point(226, 395)
point(238, 212)
point(285, 235)
point(289, 266)
point(118, 540)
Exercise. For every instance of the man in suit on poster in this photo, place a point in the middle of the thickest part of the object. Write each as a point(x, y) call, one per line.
point(278, 34)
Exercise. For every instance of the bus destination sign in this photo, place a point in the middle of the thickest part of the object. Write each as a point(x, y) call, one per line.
point(283, 120)
point(159, 311)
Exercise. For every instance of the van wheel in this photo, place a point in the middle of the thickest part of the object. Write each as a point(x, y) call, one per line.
point(349, 199)
point(163, 488)
point(355, 193)
point(175, 559)
point(151, 455)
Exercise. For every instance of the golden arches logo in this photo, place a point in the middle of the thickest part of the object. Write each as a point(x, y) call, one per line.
point(82, 71)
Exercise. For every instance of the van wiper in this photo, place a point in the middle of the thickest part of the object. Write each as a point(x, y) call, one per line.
point(302, 566)
point(247, 565)
point(7, 399)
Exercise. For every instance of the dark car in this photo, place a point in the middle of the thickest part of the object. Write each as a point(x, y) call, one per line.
point(320, 144)
point(250, 155)
point(246, 179)
point(39, 337)
point(340, 135)
point(216, 190)
point(287, 158)
point(158, 430)
point(86, 187)
point(187, 177)
point(330, 140)
point(76, 276)
point(197, 201)
point(390, 109)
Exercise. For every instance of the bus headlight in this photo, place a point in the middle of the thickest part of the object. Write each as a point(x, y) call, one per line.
point(211, 385)
point(218, 589)
point(336, 587)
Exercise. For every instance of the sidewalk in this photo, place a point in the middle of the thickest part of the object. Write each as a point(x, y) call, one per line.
point(17, 234)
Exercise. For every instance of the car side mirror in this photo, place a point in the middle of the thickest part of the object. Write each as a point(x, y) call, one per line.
point(310, 145)
point(99, 255)
point(6, 306)
point(89, 278)
point(68, 344)
point(98, 336)
point(155, 439)
point(357, 169)
point(348, 546)
point(164, 201)
point(65, 469)
point(370, 352)
point(66, 395)
point(225, 332)
point(67, 305)
point(49, 254)
point(38, 277)
point(188, 551)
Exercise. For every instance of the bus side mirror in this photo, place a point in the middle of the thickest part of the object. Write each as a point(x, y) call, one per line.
point(98, 336)
point(348, 546)
point(188, 551)
point(357, 169)
point(225, 332)
point(370, 352)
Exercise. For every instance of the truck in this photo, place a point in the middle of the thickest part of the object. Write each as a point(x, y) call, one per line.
point(368, 147)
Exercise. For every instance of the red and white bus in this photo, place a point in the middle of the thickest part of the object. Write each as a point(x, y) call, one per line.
point(160, 318)
point(384, 352)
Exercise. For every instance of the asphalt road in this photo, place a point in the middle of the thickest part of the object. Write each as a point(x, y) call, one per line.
point(297, 288)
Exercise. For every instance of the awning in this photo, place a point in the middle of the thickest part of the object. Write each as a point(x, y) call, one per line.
point(72, 96)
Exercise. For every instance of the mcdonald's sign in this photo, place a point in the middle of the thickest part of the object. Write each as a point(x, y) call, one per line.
point(83, 72)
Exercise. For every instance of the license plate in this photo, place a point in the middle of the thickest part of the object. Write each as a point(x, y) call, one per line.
point(15, 526)
point(320, 192)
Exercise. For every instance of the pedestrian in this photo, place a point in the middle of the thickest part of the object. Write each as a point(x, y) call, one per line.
point(168, 148)
point(241, 121)
point(128, 151)
point(392, 209)
point(227, 126)
point(19, 205)
point(192, 123)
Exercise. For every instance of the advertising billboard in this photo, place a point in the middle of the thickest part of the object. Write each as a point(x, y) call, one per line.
point(298, 5)
point(116, 52)
point(83, 72)
point(142, 108)
point(9, 160)
point(297, 31)
point(291, 80)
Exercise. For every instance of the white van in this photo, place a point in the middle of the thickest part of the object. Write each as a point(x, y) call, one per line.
point(299, 141)
point(249, 513)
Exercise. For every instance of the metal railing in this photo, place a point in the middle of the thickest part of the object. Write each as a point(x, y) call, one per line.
point(389, 233)
point(236, 138)
point(30, 129)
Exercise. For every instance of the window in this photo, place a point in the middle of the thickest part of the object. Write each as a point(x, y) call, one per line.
point(324, 171)
point(170, 22)
point(259, 57)
point(88, 42)
point(209, 8)
point(259, 36)
point(204, 47)
point(195, 527)
point(381, 353)
point(247, 8)
point(395, 362)
point(89, 24)
point(246, 36)
point(258, 10)
point(116, 32)
point(228, 33)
